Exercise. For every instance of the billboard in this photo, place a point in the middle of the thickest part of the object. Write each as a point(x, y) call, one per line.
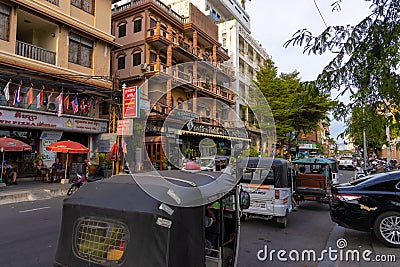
point(130, 101)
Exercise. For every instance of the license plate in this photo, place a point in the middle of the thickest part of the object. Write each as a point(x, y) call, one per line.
point(309, 198)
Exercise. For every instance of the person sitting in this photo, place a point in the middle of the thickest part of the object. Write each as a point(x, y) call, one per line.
point(9, 172)
point(57, 170)
point(42, 170)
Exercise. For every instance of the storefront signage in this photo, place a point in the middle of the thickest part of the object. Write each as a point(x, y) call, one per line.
point(103, 142)
point(144, 104)
point(31, 120)
point(125, 127)
point(51, 135)
point(130, 102)
point(200, 128)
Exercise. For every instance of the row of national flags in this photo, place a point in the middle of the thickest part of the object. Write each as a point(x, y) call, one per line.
point(63, 104)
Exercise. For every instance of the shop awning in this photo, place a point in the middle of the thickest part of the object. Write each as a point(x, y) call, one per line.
point(214, 135)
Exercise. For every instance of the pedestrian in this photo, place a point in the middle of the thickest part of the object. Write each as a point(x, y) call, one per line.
point(9, 172)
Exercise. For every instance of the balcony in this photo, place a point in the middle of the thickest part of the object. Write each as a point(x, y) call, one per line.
point(158, 37)
point(35, 52)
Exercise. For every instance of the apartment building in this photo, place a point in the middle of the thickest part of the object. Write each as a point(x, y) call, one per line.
point(55, 73)
point(246, 54)
point(176, 61)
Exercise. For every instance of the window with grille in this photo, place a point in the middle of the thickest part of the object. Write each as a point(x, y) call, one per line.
point(137, 59)
point(100, 240)
point(122, 30)
point(85, 5)
point(137, 25)
point(80, 50)
point(121, 62)
point(5, 12)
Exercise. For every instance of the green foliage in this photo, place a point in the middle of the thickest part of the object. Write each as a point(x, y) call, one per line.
point(251, 152)
point(295, 106)
point(368, 55)
point(374, 123)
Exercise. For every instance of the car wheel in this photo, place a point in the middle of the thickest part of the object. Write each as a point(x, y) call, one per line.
point(387, 228)
point(282, 221)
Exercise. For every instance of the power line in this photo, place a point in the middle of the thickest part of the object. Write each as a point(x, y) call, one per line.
point(322, 17)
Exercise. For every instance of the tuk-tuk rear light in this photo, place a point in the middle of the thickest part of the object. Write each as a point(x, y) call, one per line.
point(277, 194)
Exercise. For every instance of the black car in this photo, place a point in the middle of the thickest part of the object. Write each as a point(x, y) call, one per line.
point(370, 203)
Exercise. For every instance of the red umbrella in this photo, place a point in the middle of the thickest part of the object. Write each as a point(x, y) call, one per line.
point(113, 154)
point(10, 144)
point(67, 147)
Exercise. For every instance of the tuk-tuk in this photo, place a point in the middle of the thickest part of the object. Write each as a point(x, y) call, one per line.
point(314, 178)
point(115, 222)
point(269, 183)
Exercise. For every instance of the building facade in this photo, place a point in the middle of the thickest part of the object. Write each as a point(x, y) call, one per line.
point(177, 62)
point(246, 54)
point(55, 74)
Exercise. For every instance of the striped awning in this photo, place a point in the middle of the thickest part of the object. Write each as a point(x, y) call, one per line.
point(214, 135)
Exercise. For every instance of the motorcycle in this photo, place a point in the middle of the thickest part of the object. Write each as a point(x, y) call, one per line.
point(81, 180)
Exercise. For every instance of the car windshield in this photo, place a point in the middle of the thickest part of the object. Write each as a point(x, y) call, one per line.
point(366, 178)
point(206, 162)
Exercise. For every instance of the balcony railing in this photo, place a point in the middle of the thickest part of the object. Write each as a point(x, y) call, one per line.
point(133, 3)
point(35, 52)
point(54, 2)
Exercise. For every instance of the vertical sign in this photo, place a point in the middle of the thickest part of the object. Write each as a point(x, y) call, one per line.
point(130, 101)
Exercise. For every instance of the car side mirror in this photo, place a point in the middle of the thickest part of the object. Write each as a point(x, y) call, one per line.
point(244, 200)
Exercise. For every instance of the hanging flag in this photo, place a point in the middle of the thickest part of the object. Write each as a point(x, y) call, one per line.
point(6, 91)
point(39, 99)
point(95, 103)
point(29, 95)
point(17, 95)
point(66, 103)
point(59, 104)
point(47, 100)
point(75, 105)
point(83, 106)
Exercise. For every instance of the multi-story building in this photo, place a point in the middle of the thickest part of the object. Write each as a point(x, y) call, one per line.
point(48, 47)
point(175, 60)
point(246, 54)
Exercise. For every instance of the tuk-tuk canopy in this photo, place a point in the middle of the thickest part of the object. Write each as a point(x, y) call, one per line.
point(119, 207)
point(280, 167)
point(314, 161)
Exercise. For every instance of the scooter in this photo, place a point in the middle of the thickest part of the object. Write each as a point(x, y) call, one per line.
point(81, 179)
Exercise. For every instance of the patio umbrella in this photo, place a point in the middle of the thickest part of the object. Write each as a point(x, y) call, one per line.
point(114, 155)
point(67, 147)
point(10, 144)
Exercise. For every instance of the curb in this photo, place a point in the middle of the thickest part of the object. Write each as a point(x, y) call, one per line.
point(40, 194)
point(336, 233)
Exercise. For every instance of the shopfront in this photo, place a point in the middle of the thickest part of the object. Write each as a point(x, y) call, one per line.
point(39, 129)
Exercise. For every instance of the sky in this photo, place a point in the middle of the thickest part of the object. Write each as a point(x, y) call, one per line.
point(274, 22)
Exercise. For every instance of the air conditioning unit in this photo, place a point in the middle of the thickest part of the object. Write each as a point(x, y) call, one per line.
point(143, 66)
point(51, 106)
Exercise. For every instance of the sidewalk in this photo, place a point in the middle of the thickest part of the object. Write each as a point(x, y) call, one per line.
point(29, 190)
point(350, 243)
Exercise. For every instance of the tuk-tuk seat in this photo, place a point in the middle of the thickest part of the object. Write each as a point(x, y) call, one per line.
point(309, 180)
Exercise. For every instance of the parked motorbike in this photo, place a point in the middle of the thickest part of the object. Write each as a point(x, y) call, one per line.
point(81, 180)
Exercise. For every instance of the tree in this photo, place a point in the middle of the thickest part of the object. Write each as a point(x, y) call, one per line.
point(368, 56)
point(295, 106)
point(374, 123)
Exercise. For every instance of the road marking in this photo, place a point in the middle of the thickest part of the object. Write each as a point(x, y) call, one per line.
point(42, 208)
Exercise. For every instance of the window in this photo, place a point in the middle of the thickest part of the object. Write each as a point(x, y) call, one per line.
point(122, 30)
point(80, 50)
point(137, 25)
point(153, 23)
point(137, 59)
point(153, 57)
point(5, 12)
point(85, 5)
point(121, 62)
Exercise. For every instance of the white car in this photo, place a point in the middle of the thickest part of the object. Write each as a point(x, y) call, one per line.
point(346, 163)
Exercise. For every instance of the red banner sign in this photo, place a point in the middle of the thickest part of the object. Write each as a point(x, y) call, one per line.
point(130, 102)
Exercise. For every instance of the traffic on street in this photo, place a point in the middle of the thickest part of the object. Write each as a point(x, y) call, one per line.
point(33, 229)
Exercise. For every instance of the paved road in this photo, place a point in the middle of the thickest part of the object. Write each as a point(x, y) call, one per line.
point(29, 233)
